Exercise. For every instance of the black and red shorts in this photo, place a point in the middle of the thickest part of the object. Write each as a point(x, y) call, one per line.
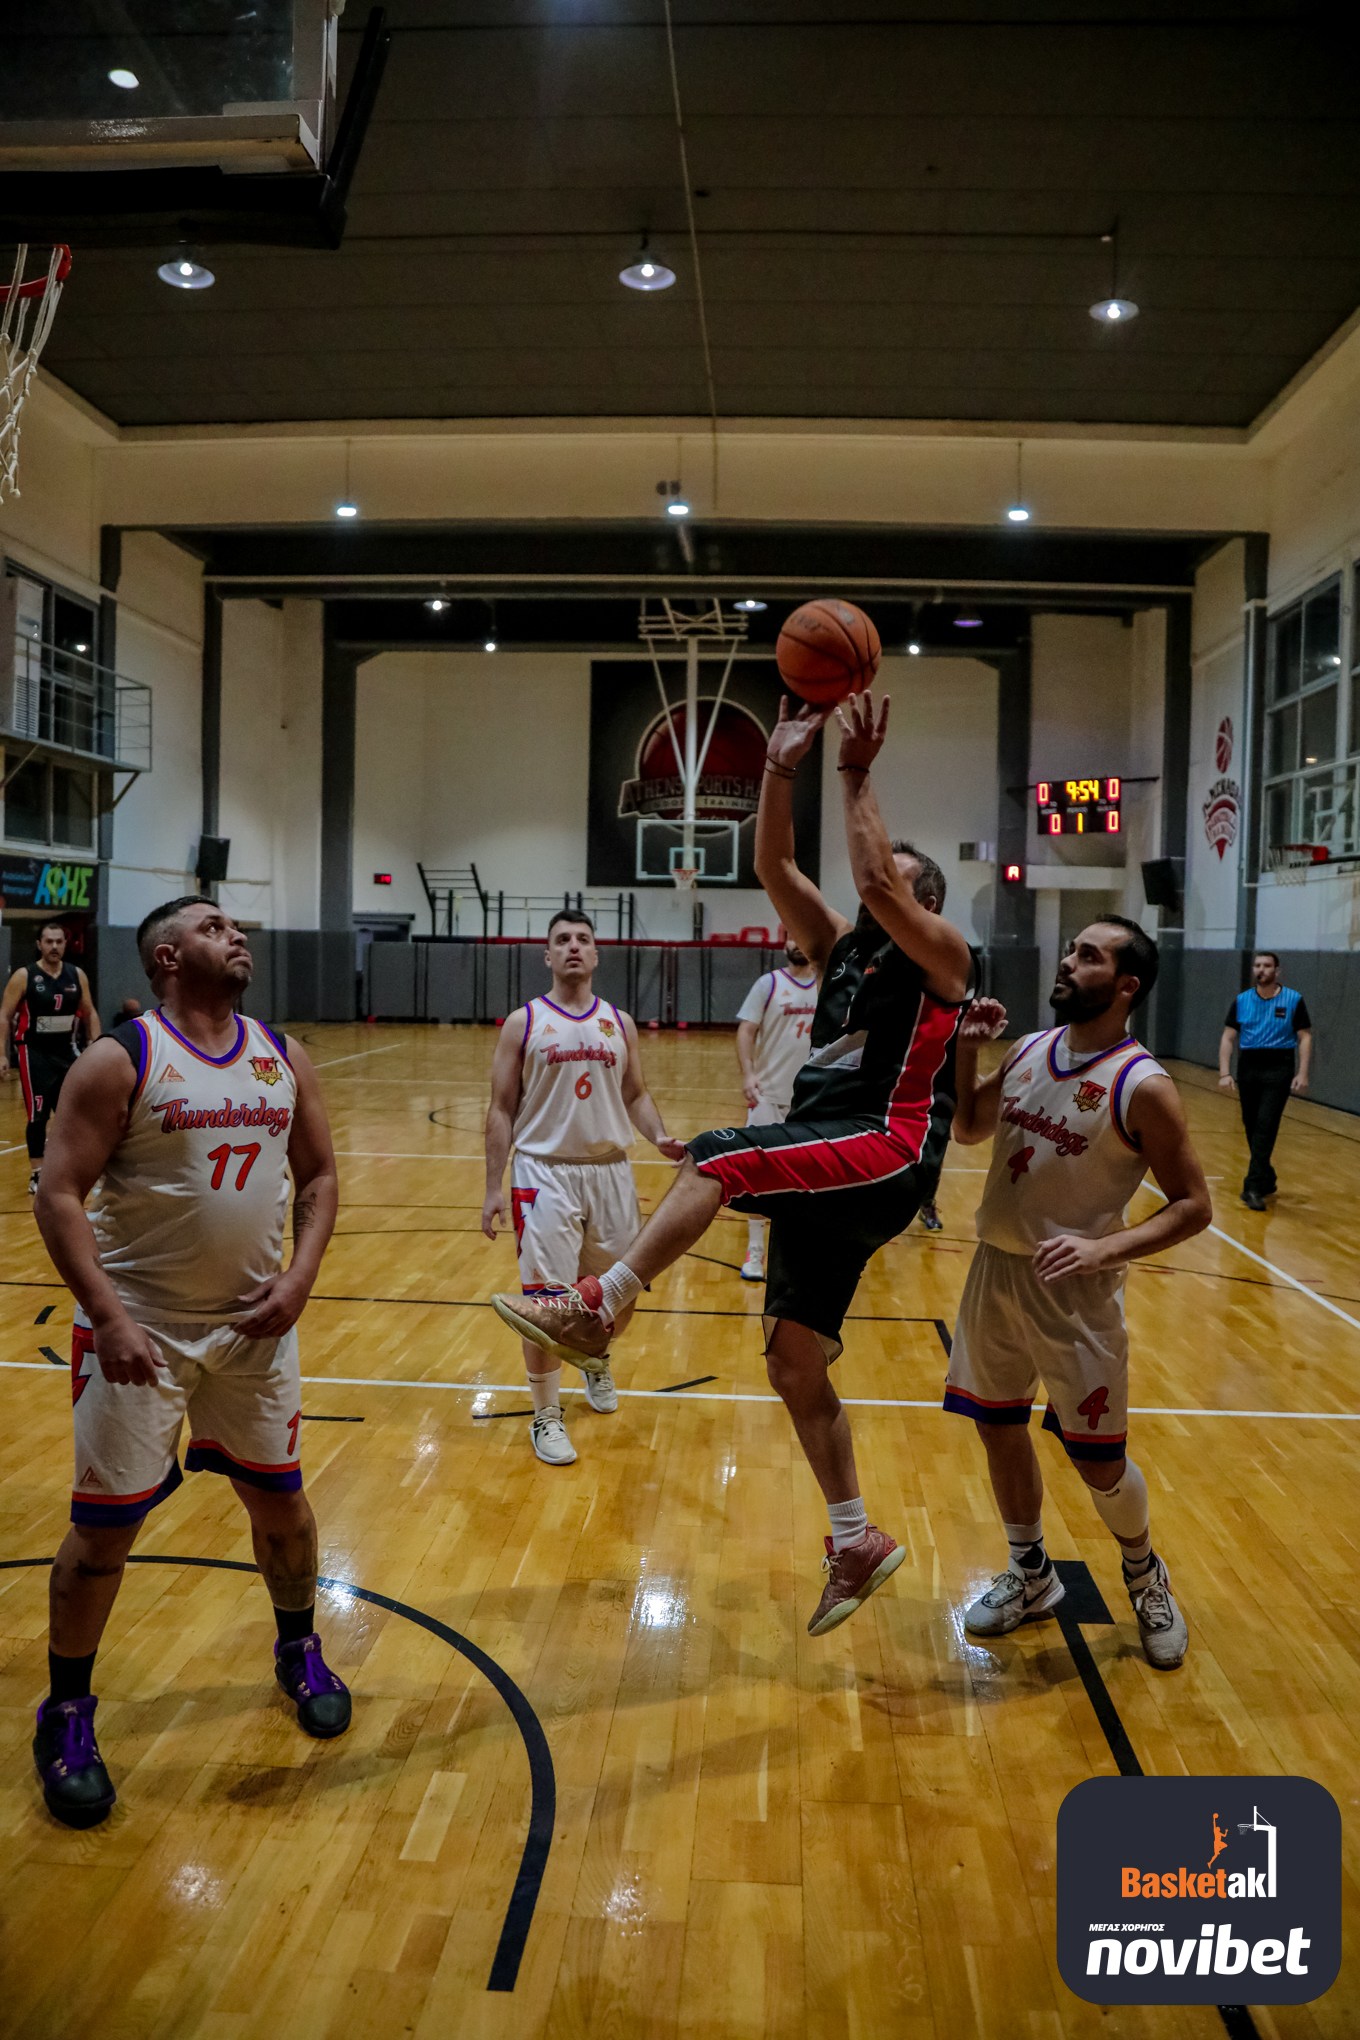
point(834, 1191)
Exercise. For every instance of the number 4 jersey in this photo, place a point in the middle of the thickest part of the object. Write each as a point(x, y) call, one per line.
point(1063, 1159)
point(188, 1214)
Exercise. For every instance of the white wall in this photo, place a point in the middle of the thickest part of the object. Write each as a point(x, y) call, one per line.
point(1081, 689)
point(1143, 783)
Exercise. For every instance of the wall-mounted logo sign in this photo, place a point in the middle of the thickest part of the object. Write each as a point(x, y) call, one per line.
point(1170, 1888)
point(1223, 808)
point(69, 887)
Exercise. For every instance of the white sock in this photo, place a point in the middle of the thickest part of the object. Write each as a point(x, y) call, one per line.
point(618, 1286)
point(755, 1238)
point(546, 1390)
point(849, 1522)
point(1026, 1541)
point(1124, 1512)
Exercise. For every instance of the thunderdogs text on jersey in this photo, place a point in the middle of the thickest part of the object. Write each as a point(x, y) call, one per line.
point(177, 1116)
point(1065, 1138)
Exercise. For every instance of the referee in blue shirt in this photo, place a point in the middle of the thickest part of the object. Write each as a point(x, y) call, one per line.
point(1267, 1021)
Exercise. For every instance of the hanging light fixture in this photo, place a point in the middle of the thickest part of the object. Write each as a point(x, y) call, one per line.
point(646, 273)
point(1018, 512)
point(347, 507)
point(184, 273)
point(1114, 310)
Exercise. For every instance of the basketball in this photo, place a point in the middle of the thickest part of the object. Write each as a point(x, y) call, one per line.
point(828, 650)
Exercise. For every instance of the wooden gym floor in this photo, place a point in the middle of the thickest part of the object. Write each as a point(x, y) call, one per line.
point(754, 1834)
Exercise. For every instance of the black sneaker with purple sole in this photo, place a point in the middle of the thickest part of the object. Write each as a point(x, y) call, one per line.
point(322, 1700)
point(78, 1790)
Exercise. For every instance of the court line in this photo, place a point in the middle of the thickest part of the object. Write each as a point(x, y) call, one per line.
point(1291, 1281)
point(852, 1402)
point(334, 1061)
point(519, 1913)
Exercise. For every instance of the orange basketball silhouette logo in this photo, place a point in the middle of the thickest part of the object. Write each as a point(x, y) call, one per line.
point(1220, 1842)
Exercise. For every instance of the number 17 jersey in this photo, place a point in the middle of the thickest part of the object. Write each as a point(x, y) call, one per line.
point(188, 1214)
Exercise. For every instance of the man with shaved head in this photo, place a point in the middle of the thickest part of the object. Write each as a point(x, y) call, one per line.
point(182, 1126)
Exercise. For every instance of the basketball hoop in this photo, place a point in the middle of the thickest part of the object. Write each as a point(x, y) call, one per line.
point(1290, 863)
point(28, 306)
point(685, 877)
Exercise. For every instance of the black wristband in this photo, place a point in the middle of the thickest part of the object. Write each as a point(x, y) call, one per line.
point(780, 771)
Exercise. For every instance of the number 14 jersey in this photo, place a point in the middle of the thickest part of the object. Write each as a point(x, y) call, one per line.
point(188, 1214)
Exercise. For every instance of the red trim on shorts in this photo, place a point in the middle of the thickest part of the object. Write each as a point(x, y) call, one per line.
point(913, 1094)
point(113, 1501)
point(987, 1402)
point(21, 1057)
point(846, 1163)
point(253, 1465)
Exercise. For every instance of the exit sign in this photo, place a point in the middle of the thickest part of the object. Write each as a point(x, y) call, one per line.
point(382, 878)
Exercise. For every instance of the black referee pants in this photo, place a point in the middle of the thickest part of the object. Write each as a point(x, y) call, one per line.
point(1263, 1079)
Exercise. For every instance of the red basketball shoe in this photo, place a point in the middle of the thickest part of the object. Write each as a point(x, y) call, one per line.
point(568, 1324)
point(854, 1573)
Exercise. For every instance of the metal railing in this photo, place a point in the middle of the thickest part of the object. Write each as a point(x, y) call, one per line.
point(514, 916)
point(66, 702)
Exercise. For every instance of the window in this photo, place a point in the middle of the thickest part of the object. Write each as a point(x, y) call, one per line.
point(50, 805)
point(59, 693)
point(1312, 733)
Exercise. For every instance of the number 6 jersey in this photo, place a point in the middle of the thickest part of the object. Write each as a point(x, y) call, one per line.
point(571, 1105)
point(188, 1214)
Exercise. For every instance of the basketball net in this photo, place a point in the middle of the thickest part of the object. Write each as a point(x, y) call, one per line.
point(666, 623)
point(27, 309)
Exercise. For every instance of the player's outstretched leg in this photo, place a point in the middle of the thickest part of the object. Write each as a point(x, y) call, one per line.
point(283, 1530)
point(1029, 1587)
point(578, 1324)
point(86, 1576)
point(1120, 1494)
point(859, 1556)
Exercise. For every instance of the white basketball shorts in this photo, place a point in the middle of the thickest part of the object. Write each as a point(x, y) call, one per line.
point(571, 1219)
point(243, 1399)
point(769, 1112)
point(1015, 1333)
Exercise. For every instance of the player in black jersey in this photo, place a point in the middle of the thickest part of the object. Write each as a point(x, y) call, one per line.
point(43, 1001)
point(842, 1175)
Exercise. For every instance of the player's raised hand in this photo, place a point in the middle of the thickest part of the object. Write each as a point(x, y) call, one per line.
point(793, 735)
point(493, 1211)
point(1070, 1254)
point(984, 1020)
point(862, 732)
point(127, 1354)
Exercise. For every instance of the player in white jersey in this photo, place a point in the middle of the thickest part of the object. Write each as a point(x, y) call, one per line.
point(774, 1034)
point(184, 1123)
point(1079, 1115)
point(567, 1090)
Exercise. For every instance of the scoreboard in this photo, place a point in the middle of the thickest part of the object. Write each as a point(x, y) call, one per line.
point(1079, 807)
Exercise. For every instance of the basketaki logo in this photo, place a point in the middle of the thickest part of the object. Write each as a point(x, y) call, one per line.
point(1223, 806)
point(1169, 1887)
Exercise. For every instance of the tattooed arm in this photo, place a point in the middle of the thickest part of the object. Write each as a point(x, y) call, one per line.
point(277, 1304)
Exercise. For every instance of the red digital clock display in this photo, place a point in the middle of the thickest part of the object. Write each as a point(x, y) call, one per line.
point(1079, 807)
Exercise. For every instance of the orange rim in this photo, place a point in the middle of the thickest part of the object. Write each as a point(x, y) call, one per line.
point(38, 288)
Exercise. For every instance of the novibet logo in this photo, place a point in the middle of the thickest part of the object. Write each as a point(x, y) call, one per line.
point(1201, 1880)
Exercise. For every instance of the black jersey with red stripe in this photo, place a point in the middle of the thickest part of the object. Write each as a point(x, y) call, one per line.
point(45, 1018)
point(881, 1045)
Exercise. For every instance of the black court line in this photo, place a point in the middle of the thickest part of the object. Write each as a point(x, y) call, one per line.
point(490, 1416)
point(49, 1354)
point(697, 1382)
point(1084, 1602)
point(519, 1913)
point(309, 1417)
point(44, 1314)
point(714, 1262)
point(945, 1340)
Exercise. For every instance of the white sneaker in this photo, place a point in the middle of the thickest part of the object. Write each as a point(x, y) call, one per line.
point(601, 1393)
point(33, 1183)
point(1161, 1624)
point(753, 1267)
point(548, 1436)
point(1013, 1598)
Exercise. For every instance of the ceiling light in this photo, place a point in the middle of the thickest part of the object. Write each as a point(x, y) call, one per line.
point(1018, 514)
point(750, 605)
point(186, 274)
point(490, 645)
point(914, 649)
point(678, 507)
point(1111, 310)
point(82, 648)
point(966, 620)
point(436, 603)
point(347, 509)
point(127, 81)
point(646, 273)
